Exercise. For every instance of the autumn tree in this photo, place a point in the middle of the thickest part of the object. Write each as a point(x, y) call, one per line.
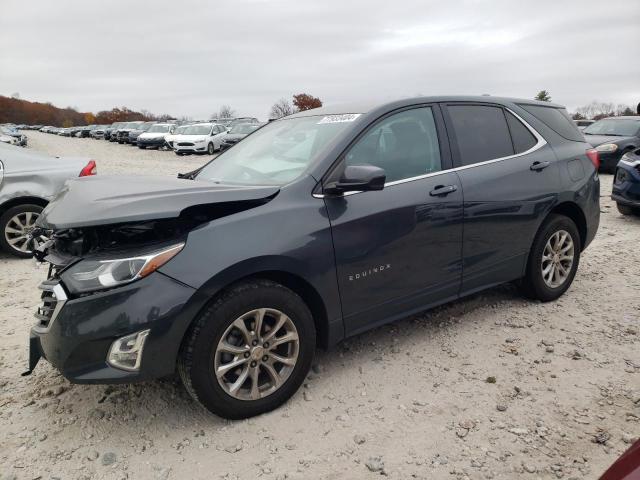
point(304, 101)
point(543, 96)
point(281, 108)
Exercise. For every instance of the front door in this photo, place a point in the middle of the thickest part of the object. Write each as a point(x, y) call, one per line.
point(398, 250)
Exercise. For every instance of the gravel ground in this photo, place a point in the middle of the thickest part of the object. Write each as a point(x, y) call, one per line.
point(492, 386)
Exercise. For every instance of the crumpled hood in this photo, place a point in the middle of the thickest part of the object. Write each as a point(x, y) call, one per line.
point(596, 140)
point(105, 200)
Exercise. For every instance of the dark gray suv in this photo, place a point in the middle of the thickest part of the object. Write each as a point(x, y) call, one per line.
point(314, 228)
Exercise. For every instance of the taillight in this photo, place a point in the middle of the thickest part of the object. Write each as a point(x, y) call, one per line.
point(90, 169)
point(594, 156)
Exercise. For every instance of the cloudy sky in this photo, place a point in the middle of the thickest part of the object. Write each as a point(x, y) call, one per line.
point(188, 57)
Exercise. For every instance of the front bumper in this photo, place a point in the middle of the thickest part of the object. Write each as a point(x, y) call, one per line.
point(626, 187)
point(151, 142)
point(197, 148)
point(77, 339)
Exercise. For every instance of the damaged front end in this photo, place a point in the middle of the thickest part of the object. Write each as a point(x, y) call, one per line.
point(100, 297)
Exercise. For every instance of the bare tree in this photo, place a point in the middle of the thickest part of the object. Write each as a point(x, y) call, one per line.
point(281, 108)
point(226, 112)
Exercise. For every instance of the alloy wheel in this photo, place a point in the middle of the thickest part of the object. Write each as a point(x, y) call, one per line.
point(256, 354)
point(557, 259)
point(19, 232)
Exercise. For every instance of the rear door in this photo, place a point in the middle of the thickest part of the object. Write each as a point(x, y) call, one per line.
point(510, 178)
point(399, 249)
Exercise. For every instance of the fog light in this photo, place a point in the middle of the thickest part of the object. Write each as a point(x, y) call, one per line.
point(126, 352)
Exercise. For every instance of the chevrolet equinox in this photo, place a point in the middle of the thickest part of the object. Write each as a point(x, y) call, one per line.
point(314, 228)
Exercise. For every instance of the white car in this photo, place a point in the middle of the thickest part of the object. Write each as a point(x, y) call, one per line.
point(8, 139)
point(169, 139)
point(199, 138)
point(155, 136)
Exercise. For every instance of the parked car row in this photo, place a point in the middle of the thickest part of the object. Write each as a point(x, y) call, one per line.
point(183, 138)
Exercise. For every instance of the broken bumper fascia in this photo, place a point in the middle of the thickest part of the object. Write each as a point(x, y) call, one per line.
point(78, 339)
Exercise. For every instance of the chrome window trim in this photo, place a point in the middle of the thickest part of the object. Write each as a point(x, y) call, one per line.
point(541, 142)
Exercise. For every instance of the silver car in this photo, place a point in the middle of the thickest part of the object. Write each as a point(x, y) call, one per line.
point(28, 181)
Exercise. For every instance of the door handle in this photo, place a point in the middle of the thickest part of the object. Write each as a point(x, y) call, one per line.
point(537, 166)
point(442, 190)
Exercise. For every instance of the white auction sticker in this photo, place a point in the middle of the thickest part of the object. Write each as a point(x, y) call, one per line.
point(347, 117)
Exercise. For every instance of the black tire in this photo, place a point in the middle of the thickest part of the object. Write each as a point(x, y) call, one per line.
point(627, 210)
point(211, 149)
point(195, 364)
point(533, 284)
point(178, 153)
point(142, 147)
point(5, 218)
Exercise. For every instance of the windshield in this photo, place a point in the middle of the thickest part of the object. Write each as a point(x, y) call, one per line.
point(244, 128)
point(159, 129)
point(276, 154)
point(197, 130)
point(614, 126)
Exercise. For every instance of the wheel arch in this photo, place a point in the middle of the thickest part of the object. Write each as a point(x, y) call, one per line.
point(570, 210)
point(24, 200)
point(208, 294)
point(574, 212)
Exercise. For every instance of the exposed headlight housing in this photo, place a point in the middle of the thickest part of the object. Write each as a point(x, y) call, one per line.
point(98, 274)
point(607, 147)
point(126, 352)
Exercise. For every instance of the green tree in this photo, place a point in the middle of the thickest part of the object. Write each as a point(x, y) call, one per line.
point(543, 96)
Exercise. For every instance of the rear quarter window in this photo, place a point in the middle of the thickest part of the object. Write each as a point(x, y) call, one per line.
point(557, 120)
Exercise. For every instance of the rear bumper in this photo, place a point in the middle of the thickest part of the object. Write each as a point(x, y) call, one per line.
point(608, 161)
point(77, 340)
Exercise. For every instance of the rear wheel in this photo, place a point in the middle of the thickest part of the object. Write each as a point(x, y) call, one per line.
point(553, 259)
point(17, 225)
point(249, 351)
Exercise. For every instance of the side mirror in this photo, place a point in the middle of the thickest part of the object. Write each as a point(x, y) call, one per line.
point(357, 178)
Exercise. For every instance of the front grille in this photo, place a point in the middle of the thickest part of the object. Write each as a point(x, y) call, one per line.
point(53, 298)
point(185, 144)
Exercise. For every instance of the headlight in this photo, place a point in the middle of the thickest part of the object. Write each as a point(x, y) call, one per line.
point(607, 147)
point(97, 274)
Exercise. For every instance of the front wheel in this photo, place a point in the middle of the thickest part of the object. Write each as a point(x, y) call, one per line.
point(211, 149)
point(16, 230)
point(553, 259)
point(249, 351)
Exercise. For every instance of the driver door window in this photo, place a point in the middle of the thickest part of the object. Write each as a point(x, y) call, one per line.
point(405, 145)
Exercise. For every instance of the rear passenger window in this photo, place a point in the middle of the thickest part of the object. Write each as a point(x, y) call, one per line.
point(481, 132)
point(522, 137)
point(405, 145)
point(557, 120)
